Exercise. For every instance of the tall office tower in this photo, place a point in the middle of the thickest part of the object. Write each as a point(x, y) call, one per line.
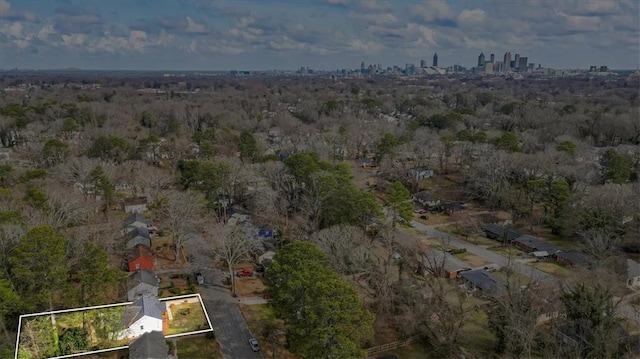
point(523, 63)
point(517, 61)
point(493, 58)
point(379, 67)
point(362, 67)
point(481, 60)
point(423, 63)
point(435, 60)
point(506, 61)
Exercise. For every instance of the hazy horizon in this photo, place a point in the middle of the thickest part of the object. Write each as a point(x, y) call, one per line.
point(320, 34)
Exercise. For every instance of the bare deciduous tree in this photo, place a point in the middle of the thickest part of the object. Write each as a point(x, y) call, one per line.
point(182, 212)
point(230, 244)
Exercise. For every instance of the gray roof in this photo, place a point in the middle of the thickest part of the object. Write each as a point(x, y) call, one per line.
point(142, 276)
point(573, 257)
point(150, 345)
point(424, 197)
point(502, 232)
point(537, 244)
point(136, 217)
point(633, 269)
point(143, 306)
point(137, 231)
point(484, 280)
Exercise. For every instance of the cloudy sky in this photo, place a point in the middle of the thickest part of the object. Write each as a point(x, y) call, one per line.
point(321, 34)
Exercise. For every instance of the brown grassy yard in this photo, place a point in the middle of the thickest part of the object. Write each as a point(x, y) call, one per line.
point(187, 317)
point(553, 268)
point(198, 347)
point(472, 259)
point(256, 316)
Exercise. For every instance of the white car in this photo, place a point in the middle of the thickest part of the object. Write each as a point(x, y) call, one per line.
point(254, 345)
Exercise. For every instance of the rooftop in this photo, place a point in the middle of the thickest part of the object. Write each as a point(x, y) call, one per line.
point(151, 345)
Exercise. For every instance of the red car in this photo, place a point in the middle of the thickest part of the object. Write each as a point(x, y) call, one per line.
point(244, 273)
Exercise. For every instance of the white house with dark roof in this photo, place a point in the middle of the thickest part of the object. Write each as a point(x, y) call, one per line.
point(144, 315)
point(150, 345)
point(138, 236)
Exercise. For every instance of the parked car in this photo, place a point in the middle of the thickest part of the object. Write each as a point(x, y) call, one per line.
point(260, 268)
point(420, 211)
point(254, 345)
point(199, 278)
point(245, 273)
point(424, 217)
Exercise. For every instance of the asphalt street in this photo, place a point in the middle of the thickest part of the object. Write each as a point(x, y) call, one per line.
point(502, 261)
point(624, 309)
point(232, 332)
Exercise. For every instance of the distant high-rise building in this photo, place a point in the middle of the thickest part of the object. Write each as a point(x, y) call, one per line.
point(488, 67)
point(517, 61)
point(492, 58)
point(523, 63)
point(481, 60)
point(506, 61)
point(498, 67)
point(423, 63)
point(435, 60)
point(363, 67)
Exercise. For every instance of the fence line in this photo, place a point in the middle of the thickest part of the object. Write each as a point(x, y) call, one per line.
point(389, 346)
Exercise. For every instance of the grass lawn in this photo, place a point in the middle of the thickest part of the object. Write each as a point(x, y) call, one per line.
point(187, 317)
point(471, 258)
point(553, 268)
point(508, 251)
point(478, 240)
point(198, 347)
point(476, 338)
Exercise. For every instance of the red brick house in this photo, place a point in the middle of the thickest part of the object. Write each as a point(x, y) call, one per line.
point(141, 257)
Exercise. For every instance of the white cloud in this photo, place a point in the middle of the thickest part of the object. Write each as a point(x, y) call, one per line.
point(5, 7)
point(581, 23)
point(193, 27)
point(471, 16)
point(432, 10)
point(15, 29)
point(138, 40)
point(73, 40)
point(45, 32)
point(375, 19)
point(366, 47)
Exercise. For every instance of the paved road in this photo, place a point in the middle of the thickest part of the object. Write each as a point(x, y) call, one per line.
point(625, 309)
point(523, 269)
point(228, 323)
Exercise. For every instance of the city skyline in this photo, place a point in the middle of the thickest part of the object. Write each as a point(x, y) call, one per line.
point(324, 35)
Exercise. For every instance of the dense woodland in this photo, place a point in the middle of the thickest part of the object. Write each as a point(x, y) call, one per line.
point(561, 154)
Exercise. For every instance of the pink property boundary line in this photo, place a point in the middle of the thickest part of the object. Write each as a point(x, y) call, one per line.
point(108, 306)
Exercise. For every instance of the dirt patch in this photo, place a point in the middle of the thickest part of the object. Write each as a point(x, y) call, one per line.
point(250, 287)
point(383, 333)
